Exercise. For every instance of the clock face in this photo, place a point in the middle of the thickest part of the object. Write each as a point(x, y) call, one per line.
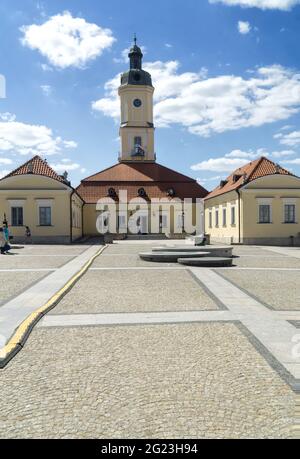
point(137, 103)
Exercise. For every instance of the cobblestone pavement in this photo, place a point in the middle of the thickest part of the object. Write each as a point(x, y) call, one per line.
point(127, 256)
point(200, 380)
point(275, 288)
point(254, 251)
point(192, 381)
point(267, 262)
point(14, 283)
point(133, 291)
point(39, 256)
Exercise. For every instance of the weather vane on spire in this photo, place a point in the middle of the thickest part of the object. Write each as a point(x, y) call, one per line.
point(134, 38)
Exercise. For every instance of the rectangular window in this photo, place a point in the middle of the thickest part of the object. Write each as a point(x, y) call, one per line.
point(210, 219)
point(17, 216)
point(217, 218)
point(224, 216)
point(289, 213)
point(45, 216)
point(138, 141)
point(264, 213)
point(233, 216)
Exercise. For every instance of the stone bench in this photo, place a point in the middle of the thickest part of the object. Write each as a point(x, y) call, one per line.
point(212, 250)
point(169, 257)
point(207, 262)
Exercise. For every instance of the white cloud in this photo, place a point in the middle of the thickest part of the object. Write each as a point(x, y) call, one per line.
point(283, 153)
point(67, 41)
point(287, 127)
point(214, 105)
point(7, 116)
point(30, 139)
point(241, 154)
point(65, 166)
point(70, 144)
point(284, 5)
point(244, 27)
point(47, 89)
point(223, 164)
point(203, 181)
point(292, 139)
point(230, 161)
point(46, 68)
point(295, 161)
point(168, 45)
point(5, 161)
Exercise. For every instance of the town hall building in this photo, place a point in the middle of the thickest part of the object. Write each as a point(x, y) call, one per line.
point(137, 171)
point(258, 203)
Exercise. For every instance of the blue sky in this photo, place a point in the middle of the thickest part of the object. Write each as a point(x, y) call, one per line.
point(227, 82)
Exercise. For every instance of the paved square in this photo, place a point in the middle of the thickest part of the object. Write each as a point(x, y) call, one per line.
point(273, 261)
point(135, 291)
point(277, 289)
point(14, 283)
point(170, 381)
point(96, 366)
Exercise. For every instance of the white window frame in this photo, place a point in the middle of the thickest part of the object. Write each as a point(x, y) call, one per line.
point(217, 218)
point(289, 202)
point(44, 203)
point(264, 202)
point(224, 213)
point(233, 214)
point(17, 203)
point(210, 218)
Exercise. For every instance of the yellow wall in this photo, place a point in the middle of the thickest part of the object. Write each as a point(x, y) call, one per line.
point(136, 120)
point(226, 234)
point(30, 192)
point(275, 190)
point(90, 216)
point(77, 230)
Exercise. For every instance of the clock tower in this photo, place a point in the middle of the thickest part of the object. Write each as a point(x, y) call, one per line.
point(137, 128)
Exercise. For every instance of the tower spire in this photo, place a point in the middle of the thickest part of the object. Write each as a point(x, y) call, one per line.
point(135, 55)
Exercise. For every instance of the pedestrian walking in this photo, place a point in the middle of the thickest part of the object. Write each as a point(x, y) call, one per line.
point(28, 235)
point(2, 242)
point(6, 237)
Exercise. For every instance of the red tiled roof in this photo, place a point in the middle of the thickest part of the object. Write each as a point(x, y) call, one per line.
point(154, 178)
point(138, 172)
point(245, 174)
point(36, 166)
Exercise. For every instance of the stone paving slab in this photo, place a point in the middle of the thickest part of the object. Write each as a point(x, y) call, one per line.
point(273, 335)
point(255, 251)
point(279, 289)
point(267, 262)
point(128, 248)
point(21, 261)
point(11, 284)
point(52, 249)
point(127, 260)
point(288, 251)
point(161, 381)
point(133, 291)
point(14, 312)
point(79, 320)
